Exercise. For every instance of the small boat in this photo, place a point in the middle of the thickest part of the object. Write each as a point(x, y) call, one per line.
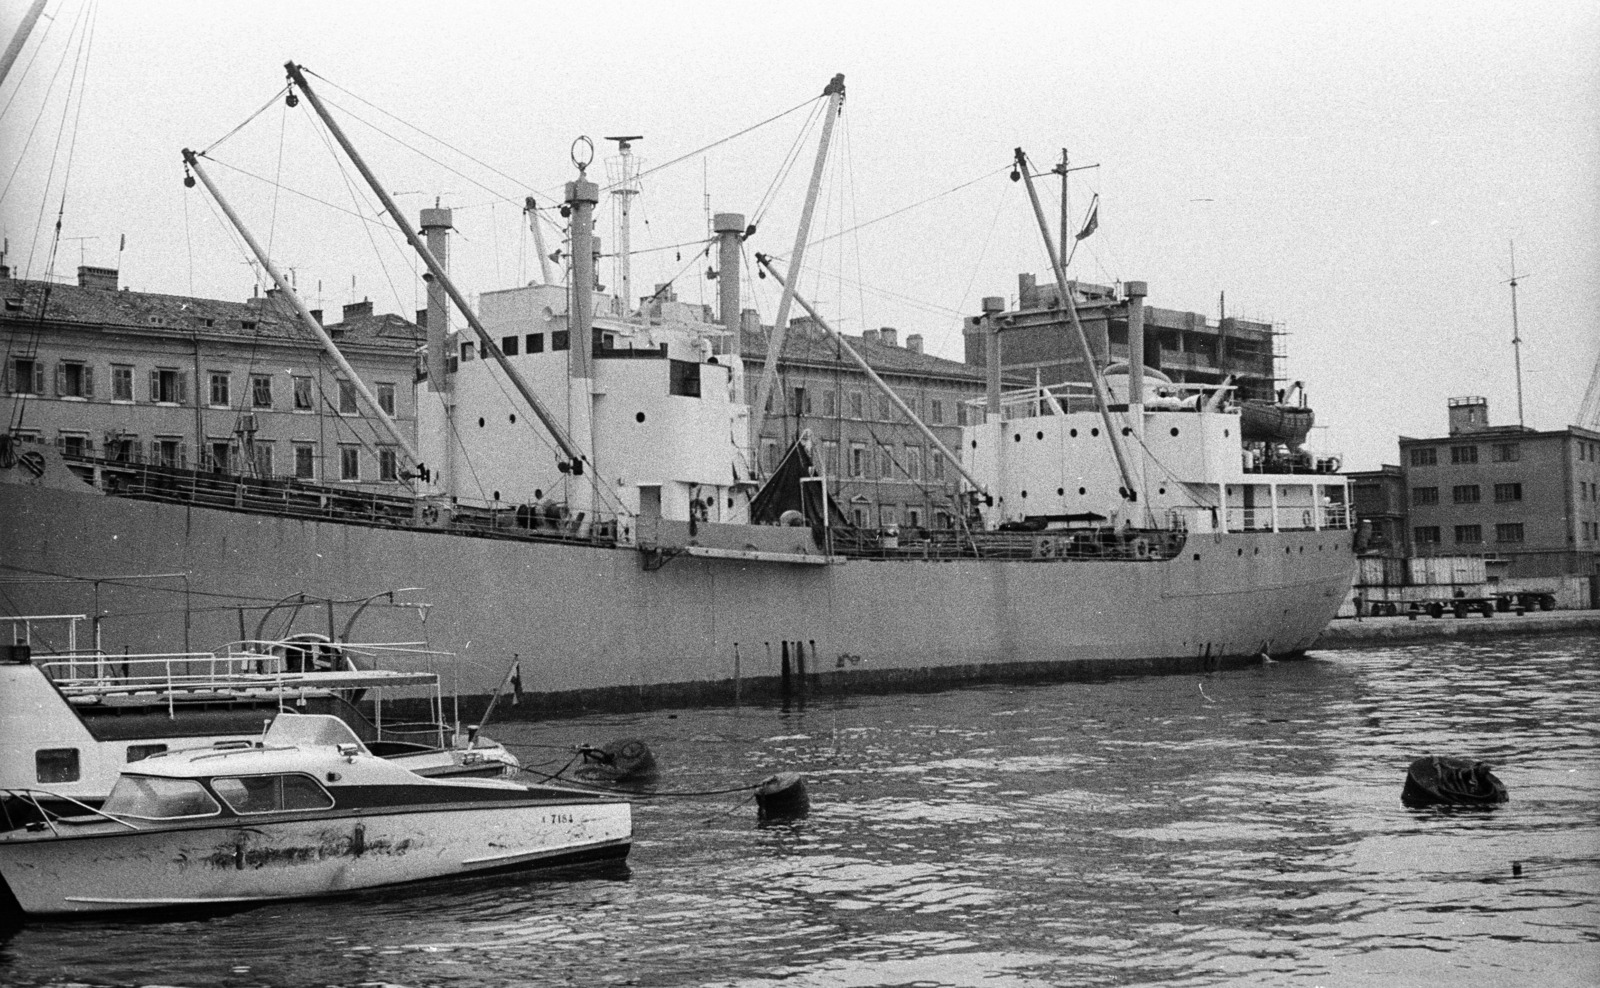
point(1450, 780)
point(72, 720)
point(309, 811)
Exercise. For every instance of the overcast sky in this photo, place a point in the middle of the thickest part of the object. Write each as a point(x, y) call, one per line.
point(1355, 173)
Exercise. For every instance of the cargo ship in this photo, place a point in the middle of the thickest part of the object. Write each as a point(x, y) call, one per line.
point(636, 555)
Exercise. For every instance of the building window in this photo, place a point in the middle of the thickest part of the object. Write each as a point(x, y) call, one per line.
point(860, 516)
point(349, 463)
point(74, 444)
point(122, 449)
point(858, 461)
point(347, 398)
point(857, 406)
point(961, 413)
point(25, 376)
point(1507, 492)
point(936, 411)
point(74, 379)
point(508, 345)
point(260, 390)
point(914, 463)
point(386, 397)
point(830, 458)
point(936, 466)
point(799, 402)
point(830, 404)
point(219, 389)
point(769, 455)
point(560, 339)
point(914, 517)
point(887, 516)
point(1508, 532)
point(1463, 454)
point(219, 456)
point(261, 459)
point(467, 353)
point(885, 463)
point(388, 465)
point(169, 386)
point(1424, 456)
point(1424, 495)
point(1469, 534)
point(1466, 494)
point(169, 451)
point(121, 382)
point(302, 394)
point(883, 408)
point(1425, 534)
point(1507, 452)
point(535, 342)
point(305, 461)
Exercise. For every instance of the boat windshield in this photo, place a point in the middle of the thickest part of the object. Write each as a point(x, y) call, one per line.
point(149, 798)
point(271, 793)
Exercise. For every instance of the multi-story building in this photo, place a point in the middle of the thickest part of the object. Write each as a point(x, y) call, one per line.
point(1527, 498)
point(887, 472)
point(225, 387)
point(1186, 346)
point(1378, 498)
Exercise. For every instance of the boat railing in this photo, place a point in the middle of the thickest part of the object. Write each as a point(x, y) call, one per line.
point(1041, 545)
point(46, 818)
point(348, 505)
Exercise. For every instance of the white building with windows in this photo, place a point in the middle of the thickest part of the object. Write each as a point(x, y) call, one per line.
point(226, 387)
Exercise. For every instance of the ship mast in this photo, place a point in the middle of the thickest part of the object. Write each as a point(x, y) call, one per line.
point(1516, 336)
point(625, 186)
point(192, 160)
point(872, 375)
point(1130, 490)
point(574, 456)
point(780, 325)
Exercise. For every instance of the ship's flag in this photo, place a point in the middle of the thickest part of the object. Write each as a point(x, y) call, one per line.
point(1093, 222)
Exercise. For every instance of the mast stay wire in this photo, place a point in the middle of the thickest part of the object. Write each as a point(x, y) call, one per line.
point(43, 103)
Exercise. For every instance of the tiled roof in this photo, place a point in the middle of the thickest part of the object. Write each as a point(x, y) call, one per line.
point(265, 317)
point(810, 345)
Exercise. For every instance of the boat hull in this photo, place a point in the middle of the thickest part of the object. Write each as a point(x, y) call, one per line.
point(596, 626)
point(209, 866)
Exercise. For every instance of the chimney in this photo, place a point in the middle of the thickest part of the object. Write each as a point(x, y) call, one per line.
point(317, 315)
point(1027, 291)
point(422, 318)
point(889, 336)
point(871, 336)
point(355, 310)
point(436, 226)
point(914, 342)
point(89, 277)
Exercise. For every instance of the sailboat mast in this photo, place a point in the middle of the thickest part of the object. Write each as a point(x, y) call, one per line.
point(1131, 490)
point(872, 376)
point(306, 318)
point(559, 434)
point(780, 326)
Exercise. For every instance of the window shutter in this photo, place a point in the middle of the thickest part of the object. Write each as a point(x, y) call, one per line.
point(61, 379)
point(38, 377)
point(155, 386)
point(9, 388)
point(183, 387)
point(183, 456)
point(88, 381)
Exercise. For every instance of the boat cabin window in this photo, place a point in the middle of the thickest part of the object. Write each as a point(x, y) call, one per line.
point(271, 793)
point(56, 765)
point(150, 798)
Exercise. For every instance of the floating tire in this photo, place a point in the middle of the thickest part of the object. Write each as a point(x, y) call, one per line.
point(1141, 548)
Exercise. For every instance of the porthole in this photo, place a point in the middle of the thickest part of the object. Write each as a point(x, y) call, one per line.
point(1017, 437)
point(1038, 435)
point(1095, 431)
point(1241, 552)
point(1082, 491)
point(1061, 491)
point(1024, 495)
point(974, 444)
point(538, 495)
point(480, 422)
point(1073, 433)
point(497, 495)
point(1127, 431)
point(1197, 557)
point(1225, 433)
point(1174, 430)
point(639, 417)
point(1161, 490)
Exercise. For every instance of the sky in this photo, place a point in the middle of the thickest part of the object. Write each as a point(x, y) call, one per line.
point(1356, 173)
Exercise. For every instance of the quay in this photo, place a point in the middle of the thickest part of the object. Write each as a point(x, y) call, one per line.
point(1362, 632)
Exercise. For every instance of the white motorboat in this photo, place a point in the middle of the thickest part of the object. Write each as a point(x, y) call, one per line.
point(309, 811)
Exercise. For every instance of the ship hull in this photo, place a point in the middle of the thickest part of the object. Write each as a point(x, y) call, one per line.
point(595, 626)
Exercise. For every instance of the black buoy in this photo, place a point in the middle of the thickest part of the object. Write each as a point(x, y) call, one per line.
point(782, 797)
point(624, 760)
point(1450, 780)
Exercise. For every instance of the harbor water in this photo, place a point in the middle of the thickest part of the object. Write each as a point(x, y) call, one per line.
point(1239, 827)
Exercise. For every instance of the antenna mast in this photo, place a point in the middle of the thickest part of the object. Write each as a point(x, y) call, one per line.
point(625, 185)
point(1516, 336)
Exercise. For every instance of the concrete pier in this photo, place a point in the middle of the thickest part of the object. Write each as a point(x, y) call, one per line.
point(1362, 633)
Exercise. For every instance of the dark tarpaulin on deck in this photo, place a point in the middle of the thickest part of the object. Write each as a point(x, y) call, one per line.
point(784, 491)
